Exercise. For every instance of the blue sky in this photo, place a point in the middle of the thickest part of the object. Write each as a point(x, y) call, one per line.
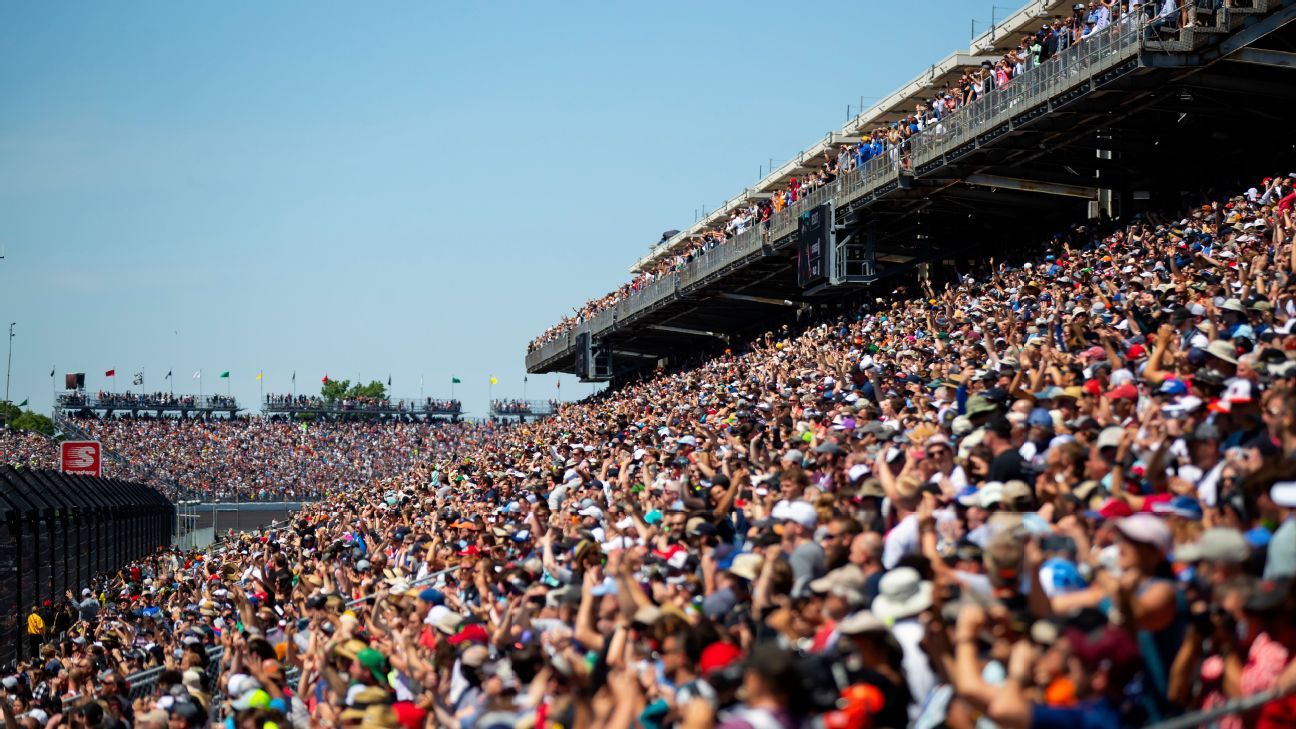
point(403, 189)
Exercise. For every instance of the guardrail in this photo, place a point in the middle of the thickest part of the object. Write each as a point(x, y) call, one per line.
point(1095, 54)
point(392, 407)
point(220, 403)
point(522, 408)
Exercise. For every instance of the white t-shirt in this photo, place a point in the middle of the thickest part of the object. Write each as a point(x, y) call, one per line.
point(901, 540)
point(909, 634)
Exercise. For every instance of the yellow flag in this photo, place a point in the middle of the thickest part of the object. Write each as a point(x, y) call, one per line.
point(494, 380)
point(259, 375)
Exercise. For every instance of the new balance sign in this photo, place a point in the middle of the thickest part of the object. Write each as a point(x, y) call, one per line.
point(80, 457)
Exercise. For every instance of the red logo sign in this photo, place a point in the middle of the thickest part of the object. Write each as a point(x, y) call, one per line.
point(80, 457)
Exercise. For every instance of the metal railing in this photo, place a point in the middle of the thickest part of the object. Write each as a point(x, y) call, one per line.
point(522, 408)
point(1115, 44)
point(400, 406)
point(128, 401)
point(1078, 63)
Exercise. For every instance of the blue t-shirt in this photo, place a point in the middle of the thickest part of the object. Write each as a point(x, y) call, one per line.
point(1097, 713)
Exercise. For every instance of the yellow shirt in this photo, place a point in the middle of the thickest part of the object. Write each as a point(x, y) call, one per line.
point(35, 624)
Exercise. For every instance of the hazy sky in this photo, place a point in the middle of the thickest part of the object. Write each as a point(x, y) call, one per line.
point(392, 188)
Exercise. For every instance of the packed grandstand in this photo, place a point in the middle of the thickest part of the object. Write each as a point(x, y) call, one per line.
point(1054, 488)
point(1052, 491)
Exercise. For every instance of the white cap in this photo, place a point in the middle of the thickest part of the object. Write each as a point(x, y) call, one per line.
point(1283, 494)
point(1145, 528)
point(802, 513)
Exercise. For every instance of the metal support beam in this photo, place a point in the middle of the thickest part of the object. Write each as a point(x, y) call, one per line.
point(639, 355)
point(682, 330)
point(1265, 57)
point(1047, 188)
point(1252, 33)
point(757, 299)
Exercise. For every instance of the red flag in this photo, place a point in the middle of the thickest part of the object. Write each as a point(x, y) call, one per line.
point(110, 373)
point(325, 380)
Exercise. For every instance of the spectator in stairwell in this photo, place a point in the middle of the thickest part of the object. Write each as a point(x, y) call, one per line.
point(35, 631)
point(87, 608)
point(63, 619)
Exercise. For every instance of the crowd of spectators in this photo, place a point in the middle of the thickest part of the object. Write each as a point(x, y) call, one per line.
point(26, 448)
point(890, 140)
point(254, 459)
point(1054, 493)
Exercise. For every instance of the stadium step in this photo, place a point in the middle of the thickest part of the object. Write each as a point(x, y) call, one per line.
point(1180, 45)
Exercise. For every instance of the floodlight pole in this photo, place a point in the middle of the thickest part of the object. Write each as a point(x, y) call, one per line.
point(9, 364)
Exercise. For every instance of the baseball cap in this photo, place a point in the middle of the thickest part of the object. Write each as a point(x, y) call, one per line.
point(718, 656)
point(1111, 509)
point(1145, 528)
point(802, 513)
point(1219, 544)
point(1123, 392)
point(1110, 437)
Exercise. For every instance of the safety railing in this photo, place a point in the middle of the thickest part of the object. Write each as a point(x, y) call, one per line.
point(411, 406)
point(749, 242)
point(126, 401)
point(1085, 59)
point(1115, 44)
point(523, 408)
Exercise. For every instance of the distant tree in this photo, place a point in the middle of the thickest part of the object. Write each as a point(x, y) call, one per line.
point(335, 390)
point(374, 389)
point(20, 419)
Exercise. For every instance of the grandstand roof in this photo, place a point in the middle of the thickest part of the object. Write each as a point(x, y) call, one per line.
point(896, 105)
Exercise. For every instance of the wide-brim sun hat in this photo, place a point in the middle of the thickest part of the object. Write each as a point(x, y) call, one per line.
point(902, 593)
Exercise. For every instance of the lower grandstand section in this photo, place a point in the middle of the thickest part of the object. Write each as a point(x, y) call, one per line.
point(58, 531)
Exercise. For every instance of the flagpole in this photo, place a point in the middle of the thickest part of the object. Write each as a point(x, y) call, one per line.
point(524, 384)
point(200, 400)
point(421, 387)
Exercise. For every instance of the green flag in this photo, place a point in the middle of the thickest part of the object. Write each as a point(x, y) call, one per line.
point(22, 404)
point(455, 381)
point(225, 374)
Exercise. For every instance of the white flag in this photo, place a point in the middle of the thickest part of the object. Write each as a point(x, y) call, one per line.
point(138, 379)
point(198, 375)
